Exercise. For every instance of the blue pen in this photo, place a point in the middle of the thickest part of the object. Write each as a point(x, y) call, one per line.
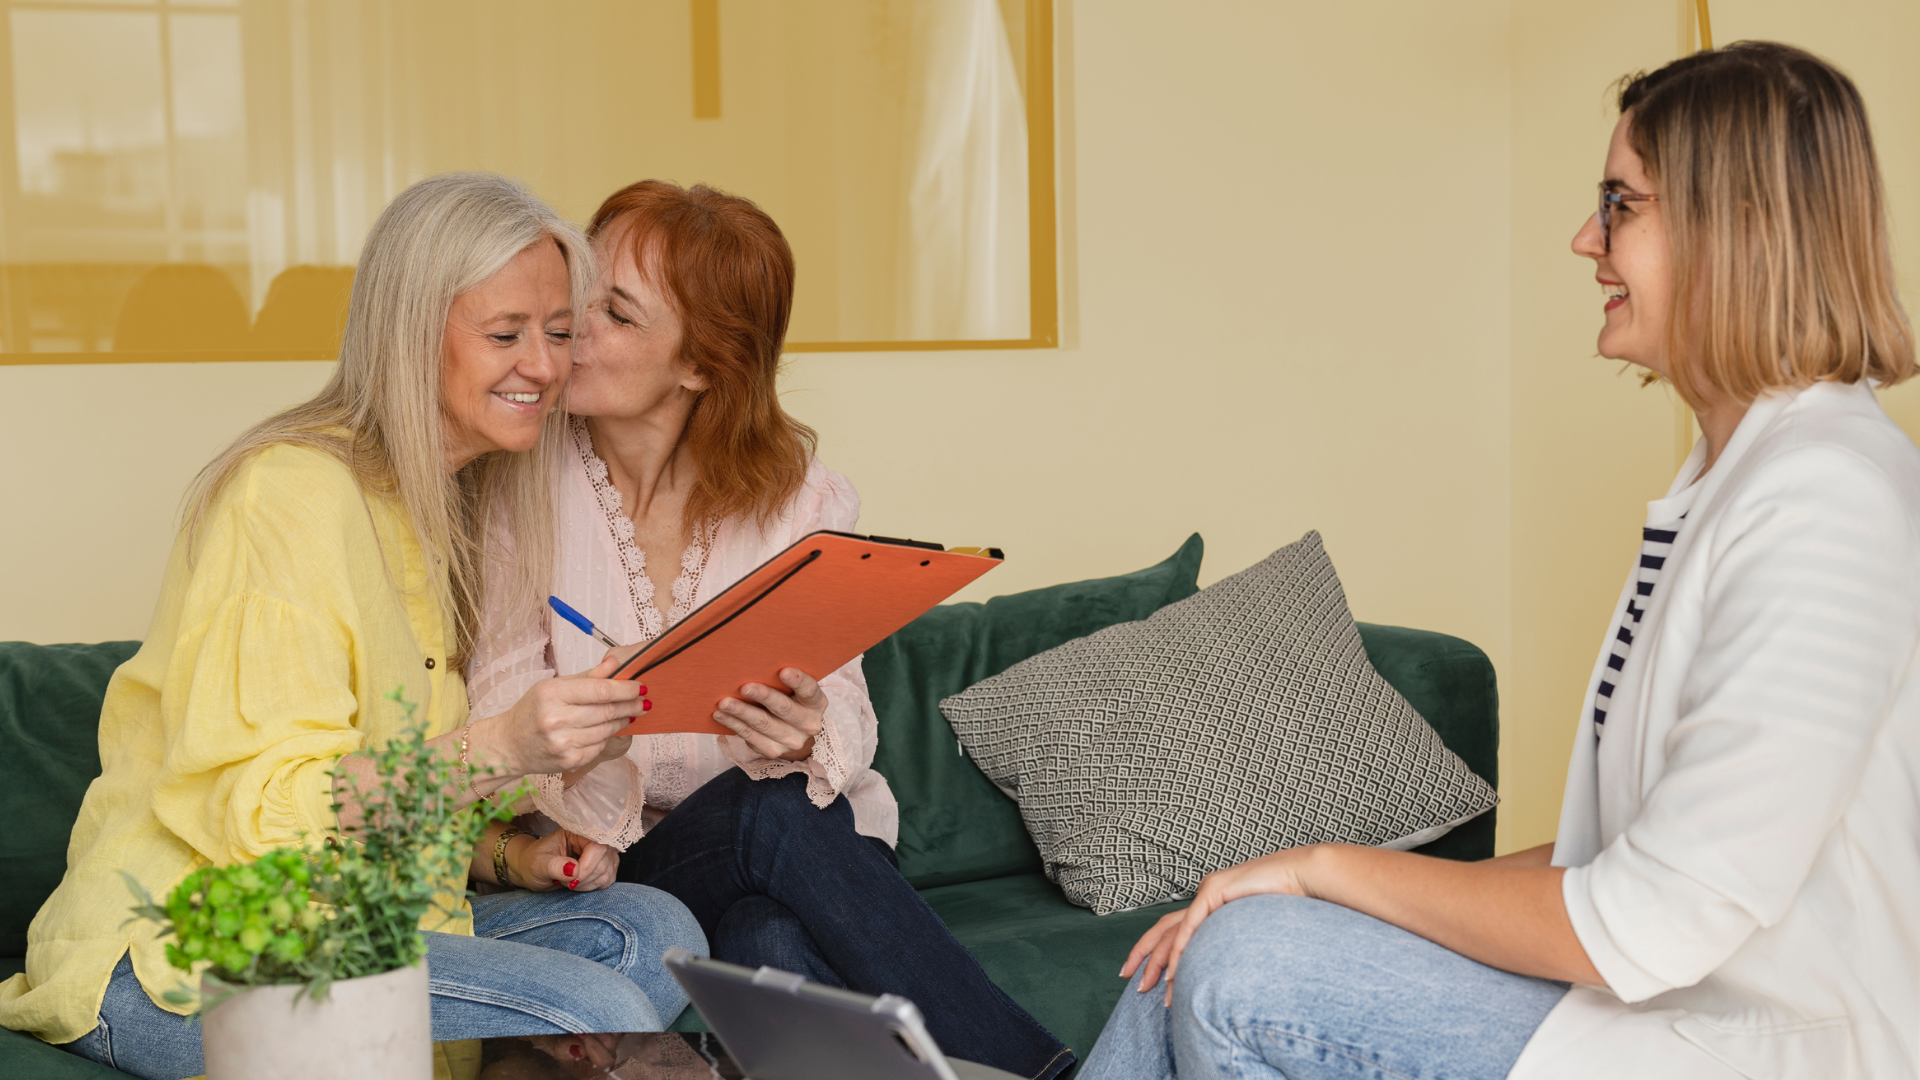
point(585, 624)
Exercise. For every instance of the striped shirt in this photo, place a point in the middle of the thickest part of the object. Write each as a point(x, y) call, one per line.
point(1656, 544)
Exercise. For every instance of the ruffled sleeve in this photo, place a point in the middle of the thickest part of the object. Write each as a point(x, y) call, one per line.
point(605, 805)
point(258, 697)
point(259, 711)
point(842, 752)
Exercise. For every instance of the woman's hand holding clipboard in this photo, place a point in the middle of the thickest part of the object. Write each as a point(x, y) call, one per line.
point(815, 606)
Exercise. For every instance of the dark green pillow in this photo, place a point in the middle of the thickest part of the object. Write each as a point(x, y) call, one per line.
point(955, 825)
point(49, 752)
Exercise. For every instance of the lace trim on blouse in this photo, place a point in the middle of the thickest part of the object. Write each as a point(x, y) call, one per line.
point(550, 797)
point(822, 786)
point(693, 561)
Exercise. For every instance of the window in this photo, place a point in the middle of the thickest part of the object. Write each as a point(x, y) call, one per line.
point(196, 177)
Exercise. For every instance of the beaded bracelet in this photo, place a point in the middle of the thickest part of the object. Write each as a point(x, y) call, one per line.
point(500, 856)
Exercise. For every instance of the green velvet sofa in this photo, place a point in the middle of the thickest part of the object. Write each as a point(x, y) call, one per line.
point(961, 841)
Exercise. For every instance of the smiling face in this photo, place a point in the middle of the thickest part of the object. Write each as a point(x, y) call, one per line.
point(627, 358)
point(1635, 278)
point(507, 356)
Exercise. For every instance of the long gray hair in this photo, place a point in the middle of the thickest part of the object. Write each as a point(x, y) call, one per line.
point(382, 413)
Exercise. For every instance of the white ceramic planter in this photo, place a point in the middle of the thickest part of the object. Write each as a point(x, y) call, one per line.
point(375, 1028)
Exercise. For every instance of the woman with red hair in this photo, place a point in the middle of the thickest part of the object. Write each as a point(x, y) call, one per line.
point(683, 475)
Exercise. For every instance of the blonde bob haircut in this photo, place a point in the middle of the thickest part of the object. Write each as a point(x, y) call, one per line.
point(381, 414)
point(1782, 265)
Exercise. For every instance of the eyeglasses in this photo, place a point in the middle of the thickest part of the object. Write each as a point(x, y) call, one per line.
point(1610, 199)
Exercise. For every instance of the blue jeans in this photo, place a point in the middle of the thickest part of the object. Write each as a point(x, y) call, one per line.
point(539, 964)
point(1283, 986)
point(777, 881)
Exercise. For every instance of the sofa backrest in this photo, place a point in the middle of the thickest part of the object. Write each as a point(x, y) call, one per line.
point(49, 752)
point(955, 825)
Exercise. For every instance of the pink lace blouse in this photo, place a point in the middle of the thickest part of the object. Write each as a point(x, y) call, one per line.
point(602, 574)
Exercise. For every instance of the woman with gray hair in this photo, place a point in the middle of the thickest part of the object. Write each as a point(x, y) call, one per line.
point(329, 555)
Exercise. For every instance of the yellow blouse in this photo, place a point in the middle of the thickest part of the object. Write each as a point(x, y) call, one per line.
point(306, 601)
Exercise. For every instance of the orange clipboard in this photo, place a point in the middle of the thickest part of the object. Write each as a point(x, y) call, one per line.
point(823, 601)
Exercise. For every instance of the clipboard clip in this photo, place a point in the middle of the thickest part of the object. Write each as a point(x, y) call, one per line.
point(926, 544)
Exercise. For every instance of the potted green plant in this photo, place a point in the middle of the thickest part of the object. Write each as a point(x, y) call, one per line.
point(311, 959)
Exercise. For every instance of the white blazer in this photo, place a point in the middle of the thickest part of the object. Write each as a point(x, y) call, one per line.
point(1744, 843)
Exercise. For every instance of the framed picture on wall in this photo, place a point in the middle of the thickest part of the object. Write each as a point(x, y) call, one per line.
point(192, 179)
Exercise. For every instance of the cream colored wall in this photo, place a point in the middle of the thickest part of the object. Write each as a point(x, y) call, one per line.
point(93, 461)
point(1315, 277)
point(1262, 346)
point(1590, 446)
point(1281, 326)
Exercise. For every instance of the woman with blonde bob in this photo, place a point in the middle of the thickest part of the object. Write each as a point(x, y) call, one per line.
point(1735, 888)
point(332, 554)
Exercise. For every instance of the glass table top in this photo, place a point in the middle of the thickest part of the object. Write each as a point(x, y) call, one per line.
point(649, 1055)
point(632, 1056)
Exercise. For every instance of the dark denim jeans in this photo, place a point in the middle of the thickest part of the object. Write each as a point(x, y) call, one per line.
point(776, 881)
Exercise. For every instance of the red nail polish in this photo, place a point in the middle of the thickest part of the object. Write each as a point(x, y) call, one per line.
point(567, 869)
point(643, 691)
point(574, 1049)
point(646, 706)
point(573, 884)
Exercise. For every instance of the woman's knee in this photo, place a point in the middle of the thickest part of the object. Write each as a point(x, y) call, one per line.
point(484, 987)
point(650, 920)
point(760, 931)
point(1260, 950)
point(756, 915)
point(136, 1036)
point(781, 807)
point(608, 1001)
point(621, 926)
point(779, 804)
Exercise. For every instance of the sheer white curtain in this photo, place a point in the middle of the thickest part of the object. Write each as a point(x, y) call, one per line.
point(966, 264)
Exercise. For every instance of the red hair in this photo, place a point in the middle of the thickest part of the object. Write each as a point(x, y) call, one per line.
point(728, 272)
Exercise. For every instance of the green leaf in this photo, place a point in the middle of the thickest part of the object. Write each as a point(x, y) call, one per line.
point(255, 939)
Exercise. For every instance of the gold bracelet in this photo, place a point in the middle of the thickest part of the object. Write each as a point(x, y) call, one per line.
point(466, 757)
point(500, 856)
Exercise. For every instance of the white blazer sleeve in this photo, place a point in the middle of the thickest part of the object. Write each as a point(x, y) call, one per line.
point(1809, 624)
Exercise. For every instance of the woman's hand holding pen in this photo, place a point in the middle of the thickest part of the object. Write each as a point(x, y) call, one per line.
point(561, 724)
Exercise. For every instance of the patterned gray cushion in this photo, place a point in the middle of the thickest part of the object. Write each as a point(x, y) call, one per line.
point(1239, 721)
